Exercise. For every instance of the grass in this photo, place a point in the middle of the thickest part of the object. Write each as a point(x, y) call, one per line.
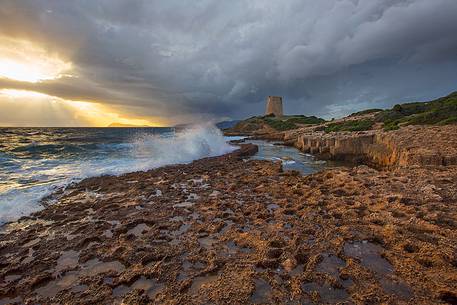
point(391, 126)
point(356, 125)
point(280, 125)
point(368, 111)
point(290, 122)
point(451, 120)
point(305, 120)
point(441, 111)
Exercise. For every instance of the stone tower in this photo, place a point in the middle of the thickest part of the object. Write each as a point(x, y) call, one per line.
point(274, 106)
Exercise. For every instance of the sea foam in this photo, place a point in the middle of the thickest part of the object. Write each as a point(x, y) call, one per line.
point(141, 153)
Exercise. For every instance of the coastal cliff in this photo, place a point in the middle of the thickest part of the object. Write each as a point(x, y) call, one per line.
point(411, 145)
point(420, 133)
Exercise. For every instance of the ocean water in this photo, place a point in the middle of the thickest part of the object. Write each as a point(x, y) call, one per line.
point(34, 162)
point(291, 158)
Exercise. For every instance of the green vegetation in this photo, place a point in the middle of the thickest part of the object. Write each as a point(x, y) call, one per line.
point(305, 120)
point(355, 125)
point(391, 126)
point(278, 123)
point(441, 111)
point(451, 120)
point(248, 125)
point(291, 121)
point(368, 111)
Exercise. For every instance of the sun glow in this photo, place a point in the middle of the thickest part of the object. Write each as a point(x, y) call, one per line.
point(102, 115)
point(13, 93)
point(36, 109)
point(23, 61)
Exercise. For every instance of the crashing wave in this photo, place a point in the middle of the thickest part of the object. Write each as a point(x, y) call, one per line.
point(143, 152)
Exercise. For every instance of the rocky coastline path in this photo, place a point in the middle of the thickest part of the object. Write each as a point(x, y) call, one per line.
point(225, 230)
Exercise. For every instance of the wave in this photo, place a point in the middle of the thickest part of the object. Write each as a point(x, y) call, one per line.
point(191, 144)
point(143, 152)
point(43, 150)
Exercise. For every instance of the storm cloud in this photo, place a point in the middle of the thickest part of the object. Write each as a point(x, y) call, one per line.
point(217, 59)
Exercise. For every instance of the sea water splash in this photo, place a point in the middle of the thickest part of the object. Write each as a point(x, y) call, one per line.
point(34, 162)
point(191, 144)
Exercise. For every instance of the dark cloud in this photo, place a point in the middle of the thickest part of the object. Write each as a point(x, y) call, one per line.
point(222, 58)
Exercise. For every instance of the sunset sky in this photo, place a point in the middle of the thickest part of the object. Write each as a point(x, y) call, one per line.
point(95, 62)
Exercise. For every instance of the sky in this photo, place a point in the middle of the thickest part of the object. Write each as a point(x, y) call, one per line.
point(143, 62)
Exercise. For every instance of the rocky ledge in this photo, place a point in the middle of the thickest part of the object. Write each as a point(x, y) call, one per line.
point(226, 230)
point(411, 145)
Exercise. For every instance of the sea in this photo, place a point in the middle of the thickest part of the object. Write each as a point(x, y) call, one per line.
point(34, 162)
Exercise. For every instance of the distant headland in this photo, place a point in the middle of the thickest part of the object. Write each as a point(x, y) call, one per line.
point(126, 125)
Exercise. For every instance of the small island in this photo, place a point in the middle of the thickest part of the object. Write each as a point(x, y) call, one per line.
point(121, 125)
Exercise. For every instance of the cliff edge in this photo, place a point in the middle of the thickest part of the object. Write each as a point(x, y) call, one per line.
point(411, 145)
point(419, 133)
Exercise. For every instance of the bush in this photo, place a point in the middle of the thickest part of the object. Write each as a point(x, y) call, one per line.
point(373, 110)
point(440, 111)
point(450, 120)
point(356, 125)
point(391, 126)
point(280, 125)
point(306, 120)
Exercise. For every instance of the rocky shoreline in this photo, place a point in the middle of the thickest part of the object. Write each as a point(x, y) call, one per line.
point(408, 146)
point(226, 230)
point(411, 145)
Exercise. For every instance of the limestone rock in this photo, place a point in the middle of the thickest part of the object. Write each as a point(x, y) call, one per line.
point(411, 145)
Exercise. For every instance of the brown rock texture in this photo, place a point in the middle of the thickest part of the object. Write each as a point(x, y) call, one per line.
point(225, 230)
point(411, 145)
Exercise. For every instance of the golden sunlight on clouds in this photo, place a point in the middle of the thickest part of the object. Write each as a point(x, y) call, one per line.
point(13, 93)
point(23, 61)
point(102, 115)
point(28, 108)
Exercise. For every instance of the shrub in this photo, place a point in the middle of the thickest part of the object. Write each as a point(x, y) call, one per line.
point(356, 125)
point(280, 125)
point(440, 111)
point(373, 110)
point(391, 126)
point(450, 120)
point(308, 120)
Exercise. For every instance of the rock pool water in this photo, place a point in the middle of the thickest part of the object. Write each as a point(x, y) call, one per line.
point(291, 157)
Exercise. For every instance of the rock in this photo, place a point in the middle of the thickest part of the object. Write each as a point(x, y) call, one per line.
point(252, 224)
point(289, 264)
point(408, 146)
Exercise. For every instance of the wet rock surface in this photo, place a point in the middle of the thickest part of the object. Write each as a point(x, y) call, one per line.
point(226, 230)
